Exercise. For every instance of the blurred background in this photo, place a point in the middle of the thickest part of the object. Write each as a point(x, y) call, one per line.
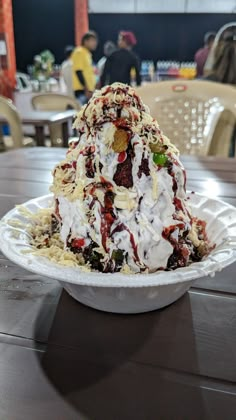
point(44, 45)
point(166, 30)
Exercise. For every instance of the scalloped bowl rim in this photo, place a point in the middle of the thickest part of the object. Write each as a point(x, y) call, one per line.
point(223, 255)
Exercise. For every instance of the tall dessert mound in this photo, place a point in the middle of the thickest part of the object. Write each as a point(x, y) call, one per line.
point(120, 198)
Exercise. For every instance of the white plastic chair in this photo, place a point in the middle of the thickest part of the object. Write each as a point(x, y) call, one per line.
point(197, 116)
point(10, 113)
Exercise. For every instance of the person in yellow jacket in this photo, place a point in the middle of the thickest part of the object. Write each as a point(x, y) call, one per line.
point(83, 77)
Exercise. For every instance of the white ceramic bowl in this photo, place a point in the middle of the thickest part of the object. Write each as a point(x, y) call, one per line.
point(128, 293)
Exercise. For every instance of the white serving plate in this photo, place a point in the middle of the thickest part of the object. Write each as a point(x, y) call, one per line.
point(122, 293)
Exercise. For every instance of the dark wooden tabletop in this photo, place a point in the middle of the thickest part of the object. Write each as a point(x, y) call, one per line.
point(60, 360)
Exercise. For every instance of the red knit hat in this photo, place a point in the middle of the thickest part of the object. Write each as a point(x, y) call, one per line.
point(129, 38)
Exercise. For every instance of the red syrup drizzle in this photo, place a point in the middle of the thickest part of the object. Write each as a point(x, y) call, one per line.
point(123, 175)
point(178, 204)
point(87, 151)
point(180, 254)
point(89, 166)
point(121, 157)
point(66, 166)
point(107, 219)
point(107, 211)
point(144, 167)
point(78, 242)
point(185, 179)
point(201, 224)
point(121, 123)
point(122, 227)
point(166, 233)
point(57, 214)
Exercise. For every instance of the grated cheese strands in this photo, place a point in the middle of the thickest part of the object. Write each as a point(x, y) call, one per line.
point(120, 201)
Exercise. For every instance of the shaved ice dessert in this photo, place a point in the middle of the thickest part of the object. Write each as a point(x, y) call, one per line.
point(120, 194)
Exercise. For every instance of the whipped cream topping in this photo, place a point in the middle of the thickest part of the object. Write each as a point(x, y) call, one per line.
point(120, 198)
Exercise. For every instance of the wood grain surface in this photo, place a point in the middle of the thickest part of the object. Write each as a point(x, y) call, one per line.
point(61, 360)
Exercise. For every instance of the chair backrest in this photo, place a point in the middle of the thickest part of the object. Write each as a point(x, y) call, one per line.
point(10, 113)
point(189, 112)
point(231, 26)
point(54, 102)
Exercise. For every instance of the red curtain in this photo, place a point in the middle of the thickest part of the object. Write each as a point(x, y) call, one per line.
point(8, 62)
point(81, 19)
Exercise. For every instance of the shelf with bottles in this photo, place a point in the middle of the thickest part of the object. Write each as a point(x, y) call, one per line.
point(148, 71)
point(176, 69)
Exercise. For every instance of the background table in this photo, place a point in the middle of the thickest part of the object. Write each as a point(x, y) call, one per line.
point(41, 119)
point(60, 360)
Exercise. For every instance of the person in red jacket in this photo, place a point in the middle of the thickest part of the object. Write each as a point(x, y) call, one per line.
point(202, 54)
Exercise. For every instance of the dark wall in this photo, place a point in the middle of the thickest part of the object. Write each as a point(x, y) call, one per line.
point(50, 24)
point(160, 36)
point(42, 24)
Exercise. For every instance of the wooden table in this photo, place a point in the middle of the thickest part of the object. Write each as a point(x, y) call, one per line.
point(60, 360)
point(40, 119)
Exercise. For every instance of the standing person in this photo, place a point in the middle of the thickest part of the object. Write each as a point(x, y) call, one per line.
point(108, 48)
point(66, 70)
point(84, 80)
point(118, 66)
point(201, 55)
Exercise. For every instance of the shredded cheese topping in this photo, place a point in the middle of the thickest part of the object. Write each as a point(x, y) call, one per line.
point(120, 199)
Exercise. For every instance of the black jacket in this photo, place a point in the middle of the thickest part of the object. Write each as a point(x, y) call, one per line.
point(118, 67)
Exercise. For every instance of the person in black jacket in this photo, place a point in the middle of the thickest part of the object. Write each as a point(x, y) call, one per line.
point(119, 65)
